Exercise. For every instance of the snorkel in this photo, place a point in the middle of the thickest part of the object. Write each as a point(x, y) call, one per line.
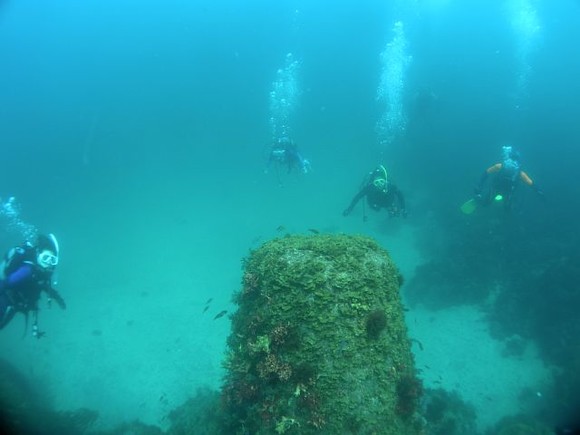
point(382, 183)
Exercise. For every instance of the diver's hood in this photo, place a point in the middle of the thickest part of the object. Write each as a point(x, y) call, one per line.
point(380, 179)
point(47, 242)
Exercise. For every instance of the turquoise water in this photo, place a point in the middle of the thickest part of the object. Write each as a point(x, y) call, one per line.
point(138, 133)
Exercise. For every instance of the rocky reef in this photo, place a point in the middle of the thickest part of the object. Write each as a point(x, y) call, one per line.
point(318, 343)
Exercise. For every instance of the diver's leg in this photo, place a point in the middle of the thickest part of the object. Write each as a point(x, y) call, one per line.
point(508, 199)
point(7, 311)
point(485, 198)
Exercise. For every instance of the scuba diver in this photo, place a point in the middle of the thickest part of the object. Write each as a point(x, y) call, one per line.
point(380, 193)
point(27, 271)
point(423, 103)
point(499, 182)
point(285, 152)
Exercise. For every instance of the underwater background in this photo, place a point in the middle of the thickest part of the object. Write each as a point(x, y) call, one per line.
point(138, 132)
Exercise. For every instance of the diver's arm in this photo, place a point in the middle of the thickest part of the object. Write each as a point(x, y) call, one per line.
point(53, 294)
point(355, 200)
point(527, 180)
point(401, 199)
point(491, 170)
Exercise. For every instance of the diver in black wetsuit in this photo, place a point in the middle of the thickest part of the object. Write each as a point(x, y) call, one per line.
point(27, 271)
point(380, 193)
point(285, 152)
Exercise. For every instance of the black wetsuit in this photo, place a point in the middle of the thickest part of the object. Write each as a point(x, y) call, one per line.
point(287, 154)
point(391, 198)
point(21, 288)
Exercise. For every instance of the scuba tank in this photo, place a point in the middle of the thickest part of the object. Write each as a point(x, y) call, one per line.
point(510, 169)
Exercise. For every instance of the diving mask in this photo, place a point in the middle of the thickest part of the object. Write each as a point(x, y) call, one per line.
point(380, 183)
point(47, 259)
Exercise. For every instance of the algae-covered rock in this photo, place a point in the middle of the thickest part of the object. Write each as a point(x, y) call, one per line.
point(319, 343)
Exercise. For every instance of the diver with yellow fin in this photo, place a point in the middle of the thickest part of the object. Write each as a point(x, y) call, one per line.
point(499, 182)
point(380, 192)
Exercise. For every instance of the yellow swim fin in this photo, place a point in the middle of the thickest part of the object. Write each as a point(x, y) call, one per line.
point(469, 207)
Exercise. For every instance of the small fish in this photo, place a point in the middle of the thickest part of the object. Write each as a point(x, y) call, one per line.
point(205, 309)
point(414, 340)
point(220, 314)
point(313, 230)
point(281, 228)
point(209, 300)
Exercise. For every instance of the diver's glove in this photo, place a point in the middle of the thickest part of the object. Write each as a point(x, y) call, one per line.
point(477, 192)
point(404, 213)
point(347, 211)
